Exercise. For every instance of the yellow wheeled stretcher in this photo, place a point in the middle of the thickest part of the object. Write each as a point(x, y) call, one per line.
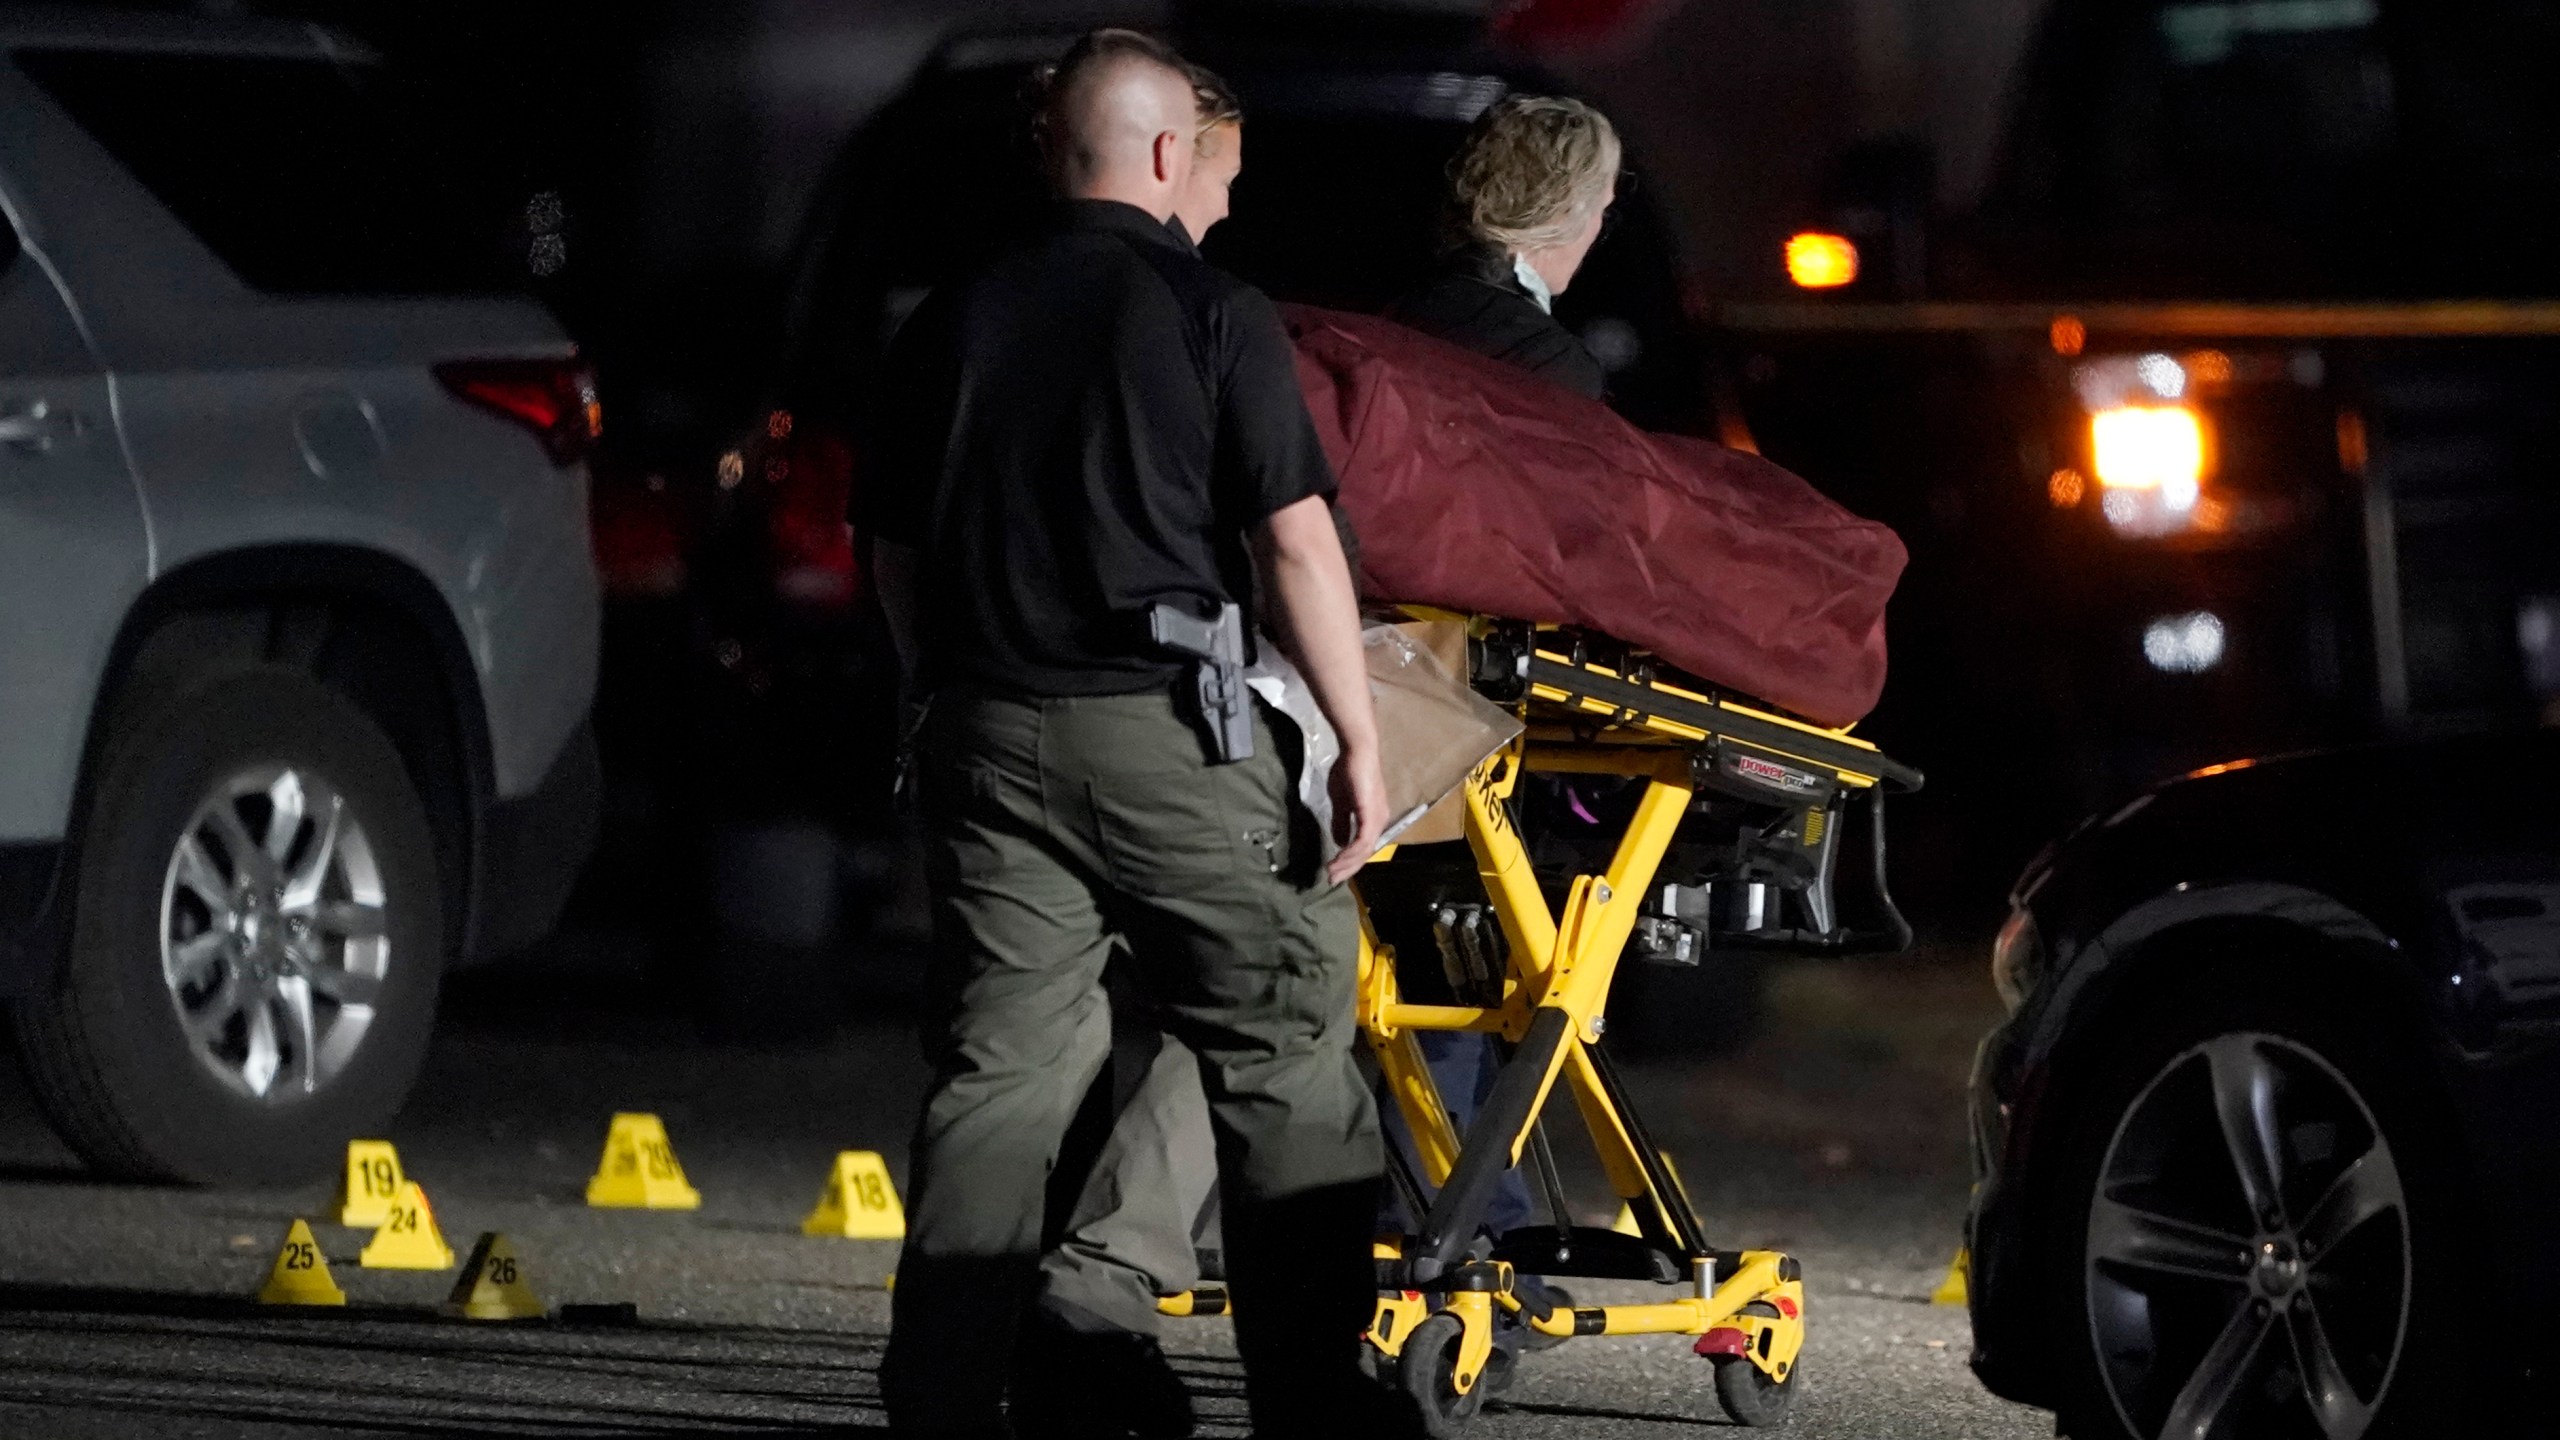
point(1731, 820)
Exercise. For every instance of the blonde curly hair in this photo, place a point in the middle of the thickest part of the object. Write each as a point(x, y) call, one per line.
point(1532, 172)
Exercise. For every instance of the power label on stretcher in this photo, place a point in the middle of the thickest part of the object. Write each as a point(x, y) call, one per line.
point(1754, 772)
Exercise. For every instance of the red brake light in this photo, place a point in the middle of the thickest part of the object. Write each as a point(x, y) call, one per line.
point(808, 470)
point(555, 399)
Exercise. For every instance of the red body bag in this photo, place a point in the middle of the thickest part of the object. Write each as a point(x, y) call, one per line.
point(1477, 487)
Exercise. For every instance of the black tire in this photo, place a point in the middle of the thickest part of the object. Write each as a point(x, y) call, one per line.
point(1749, 1397)
point(2340, 1094)
point(1426, 1369)
point(104, 1049)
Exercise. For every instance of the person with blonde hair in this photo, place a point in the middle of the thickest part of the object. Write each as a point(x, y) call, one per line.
point(1528, 191)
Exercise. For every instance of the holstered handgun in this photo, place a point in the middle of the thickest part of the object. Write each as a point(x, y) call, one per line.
point(1216, 649)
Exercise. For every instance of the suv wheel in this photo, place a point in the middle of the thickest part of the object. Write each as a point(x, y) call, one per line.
point(2252, 1252)
point(257, 942)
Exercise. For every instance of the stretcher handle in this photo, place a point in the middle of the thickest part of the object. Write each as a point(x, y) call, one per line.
point(1897, 930)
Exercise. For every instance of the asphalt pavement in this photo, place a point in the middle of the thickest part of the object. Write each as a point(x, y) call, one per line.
point(124, 1310)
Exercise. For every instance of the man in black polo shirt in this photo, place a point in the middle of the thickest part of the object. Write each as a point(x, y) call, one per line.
point(1095, 424)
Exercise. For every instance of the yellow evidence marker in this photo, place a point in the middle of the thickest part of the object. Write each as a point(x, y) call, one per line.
point(301, 1273)
point(408, 1239)
point(371, 1183)
point(1951, 1291)
point(493, 1286)
point(859, 1203)
point(639, 1169)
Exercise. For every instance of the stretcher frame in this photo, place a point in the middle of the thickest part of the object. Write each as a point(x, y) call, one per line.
point(1581, 717)
point(1746, 1307)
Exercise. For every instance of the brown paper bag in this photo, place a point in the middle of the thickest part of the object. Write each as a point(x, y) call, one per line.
point(1433, 728)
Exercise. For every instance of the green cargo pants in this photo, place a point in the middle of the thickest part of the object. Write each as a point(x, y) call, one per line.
point(1050, 826)
point(1134, 1229)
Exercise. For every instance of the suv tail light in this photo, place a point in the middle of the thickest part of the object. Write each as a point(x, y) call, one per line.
point(555, 399)
point(808, 470)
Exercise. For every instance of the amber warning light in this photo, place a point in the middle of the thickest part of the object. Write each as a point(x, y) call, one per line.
point(1817, 261)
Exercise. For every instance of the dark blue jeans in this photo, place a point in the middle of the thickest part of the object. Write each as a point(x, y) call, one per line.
point(1463, 1065)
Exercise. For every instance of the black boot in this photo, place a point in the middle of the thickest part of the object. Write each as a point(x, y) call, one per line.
point(952, 1327)
point(1072, 1384)
point(1305, 1289)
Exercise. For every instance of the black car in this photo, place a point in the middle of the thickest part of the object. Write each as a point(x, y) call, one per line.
point(2270, 1142)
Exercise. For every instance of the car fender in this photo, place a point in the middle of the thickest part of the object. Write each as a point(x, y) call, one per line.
point(2077, 985)
point(268, 589)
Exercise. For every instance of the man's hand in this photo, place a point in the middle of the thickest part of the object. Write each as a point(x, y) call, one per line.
point(1360, 816)
point(1318, 623)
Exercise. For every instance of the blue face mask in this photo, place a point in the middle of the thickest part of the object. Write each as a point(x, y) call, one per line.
point(1533, 282)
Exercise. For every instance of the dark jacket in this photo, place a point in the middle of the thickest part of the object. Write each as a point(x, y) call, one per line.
point(1476, 302)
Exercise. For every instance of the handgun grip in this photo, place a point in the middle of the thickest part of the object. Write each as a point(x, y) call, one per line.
point(1169, 626)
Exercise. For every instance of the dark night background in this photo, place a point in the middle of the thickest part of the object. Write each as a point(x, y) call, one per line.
point(750, 194)
point(2322, 230)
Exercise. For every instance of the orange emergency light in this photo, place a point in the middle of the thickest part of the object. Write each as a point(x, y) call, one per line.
point(1816, 261)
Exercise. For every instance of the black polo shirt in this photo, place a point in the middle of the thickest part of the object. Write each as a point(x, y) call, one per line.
point(1096, 422)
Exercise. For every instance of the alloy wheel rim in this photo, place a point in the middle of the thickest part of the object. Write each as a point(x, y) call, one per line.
point(2248, 1250)
point(272, 938)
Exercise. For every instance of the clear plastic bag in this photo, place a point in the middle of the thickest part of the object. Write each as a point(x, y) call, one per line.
point(1433, 729)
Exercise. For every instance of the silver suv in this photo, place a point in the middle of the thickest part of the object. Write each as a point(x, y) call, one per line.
point(298, 614)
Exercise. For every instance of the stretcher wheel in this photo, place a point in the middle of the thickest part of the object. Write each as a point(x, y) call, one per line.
point(1745, 1390)
point(1426, 1368)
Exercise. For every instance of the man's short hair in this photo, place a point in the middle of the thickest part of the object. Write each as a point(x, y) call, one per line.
point(1531, 172)
point(1054, 86)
